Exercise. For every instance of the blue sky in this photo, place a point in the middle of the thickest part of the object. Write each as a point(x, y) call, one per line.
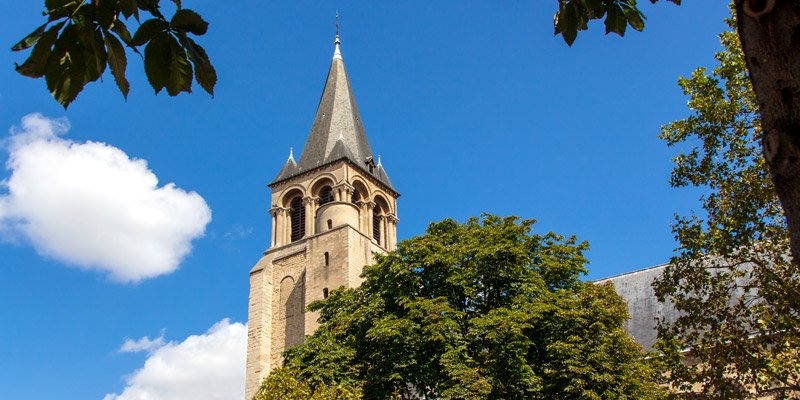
point(474, 107)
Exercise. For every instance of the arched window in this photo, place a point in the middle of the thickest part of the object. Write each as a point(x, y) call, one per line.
point(298, 216)
point(330, 224)
point(376, 224)
point(325, 195)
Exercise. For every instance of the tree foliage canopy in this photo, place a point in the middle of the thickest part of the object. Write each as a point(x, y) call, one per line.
point(481, 310)
point(283, 384)
point(733, 282)
point(80, 38)
point(574, 15)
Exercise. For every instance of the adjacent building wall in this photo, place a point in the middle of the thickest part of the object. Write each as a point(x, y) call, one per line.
point(636, 288)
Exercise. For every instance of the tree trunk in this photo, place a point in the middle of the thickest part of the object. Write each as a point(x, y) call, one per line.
point(770, 34)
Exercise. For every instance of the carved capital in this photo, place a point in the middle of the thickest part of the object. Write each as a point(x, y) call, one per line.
point(277, 210)
point(310, 200)
point(392, 218)
point(343, 185)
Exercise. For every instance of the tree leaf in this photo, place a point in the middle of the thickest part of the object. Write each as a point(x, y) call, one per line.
point(204, 72)
point(167, 66)
point(157, 56)
point(594, 9)
point(147, 30)
point(635, 19)
point(177, 3)
point(31, 39)
point(128, 8)
point(118, 61)
point(34, 66)
point(149, 5)
point(615, 20)
point(94, 53)
point(189, 21)
point(62, 9)
point(106, 12)
point(66, 67)
point(121, 30)
point(566, 23)
point(56, 4)
point(180, 71)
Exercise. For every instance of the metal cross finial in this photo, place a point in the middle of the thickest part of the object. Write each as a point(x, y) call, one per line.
point(337, 23)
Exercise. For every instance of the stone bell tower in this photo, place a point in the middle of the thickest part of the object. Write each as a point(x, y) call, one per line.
point(330, 212)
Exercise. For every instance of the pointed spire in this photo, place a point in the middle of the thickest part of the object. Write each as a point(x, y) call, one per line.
point(289, 168)
point(337, 120)
point(380, 173)
point(337, 132)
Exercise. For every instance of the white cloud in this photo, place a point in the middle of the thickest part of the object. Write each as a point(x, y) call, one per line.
point(91, 205)
point(203, 367)
point(143, 344)
point(237, 231)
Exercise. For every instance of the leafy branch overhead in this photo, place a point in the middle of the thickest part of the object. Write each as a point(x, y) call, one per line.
point(574, 16)
point(81, 38)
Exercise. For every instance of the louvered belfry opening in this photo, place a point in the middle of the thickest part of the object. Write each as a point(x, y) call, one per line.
point(325, 195)
point(298, 215)
point(355, 197)
point(376, 224)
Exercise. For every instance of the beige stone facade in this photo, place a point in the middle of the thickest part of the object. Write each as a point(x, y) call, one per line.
point(330, 213)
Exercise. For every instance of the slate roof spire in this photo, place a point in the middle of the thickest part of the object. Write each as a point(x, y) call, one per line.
point(337, 132)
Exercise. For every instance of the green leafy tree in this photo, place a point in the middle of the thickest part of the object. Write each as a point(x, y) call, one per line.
point(81, 38)
point(481, 310)
point(767, 31)
point(737, 292)
point(283, 384)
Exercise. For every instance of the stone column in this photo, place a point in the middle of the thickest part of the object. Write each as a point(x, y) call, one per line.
point(392, 237)
point(280, 226)
point(387, 229)
point(287, 226)
point(273, 212)
point(361, 215)
point(368, 206)
point(343, 191)
point(310, 204)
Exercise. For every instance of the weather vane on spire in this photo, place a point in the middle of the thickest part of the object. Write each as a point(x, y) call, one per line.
point(337, 23)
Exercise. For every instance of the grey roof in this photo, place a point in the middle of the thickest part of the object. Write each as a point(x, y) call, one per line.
point(380, 173)
point(339, 152)
point(289, 169)
point(337, 132)
point(636, 288)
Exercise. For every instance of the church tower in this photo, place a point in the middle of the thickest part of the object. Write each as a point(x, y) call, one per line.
point(331, 210)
